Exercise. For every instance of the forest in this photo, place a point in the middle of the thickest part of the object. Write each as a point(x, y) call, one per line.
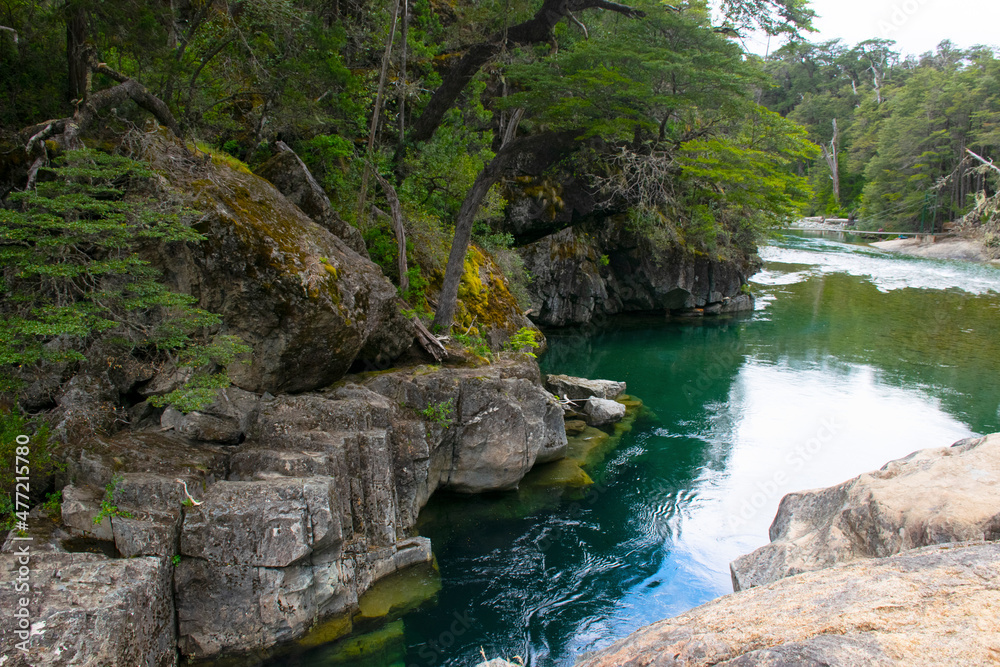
point(904, 142)
point(423, 121)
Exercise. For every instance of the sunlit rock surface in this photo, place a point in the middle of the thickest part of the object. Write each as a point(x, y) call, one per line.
point(932, 496)
point(931, 606)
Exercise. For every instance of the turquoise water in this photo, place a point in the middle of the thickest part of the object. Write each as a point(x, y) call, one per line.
point(852, 358)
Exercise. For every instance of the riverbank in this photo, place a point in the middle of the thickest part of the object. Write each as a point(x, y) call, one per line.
point(865, 572)
point(954, 247)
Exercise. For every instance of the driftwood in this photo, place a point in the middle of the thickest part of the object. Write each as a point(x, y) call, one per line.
point(427, 340)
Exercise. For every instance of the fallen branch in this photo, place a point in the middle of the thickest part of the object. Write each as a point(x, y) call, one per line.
point(65, 131)
point(427, 340)
point(988, 163)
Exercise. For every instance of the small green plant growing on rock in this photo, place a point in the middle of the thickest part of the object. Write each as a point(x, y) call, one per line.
point(524, 341)
point(108, 507)
point(53, 505)
point(476, 344)
point(176, 559)
point(441, 413)
point(40, 459)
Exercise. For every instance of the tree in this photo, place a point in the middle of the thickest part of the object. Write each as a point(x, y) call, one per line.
point(71, 273)
point(773, 16)
point(656, 99)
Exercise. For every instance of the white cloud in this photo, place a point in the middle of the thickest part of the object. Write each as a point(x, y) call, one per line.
point(916, 25)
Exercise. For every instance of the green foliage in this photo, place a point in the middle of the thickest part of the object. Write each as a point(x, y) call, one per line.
point(40, 466)
point(442, 413)
point(442, 170)
point(604, 260)
point(108, 506)
point(524, 341)
point(904, 125)
point(195, 394)
point(53, 504)
point(175, 560)
point(475, 343)
point(71, 271)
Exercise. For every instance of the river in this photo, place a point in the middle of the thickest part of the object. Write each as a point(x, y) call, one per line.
point(853, 357)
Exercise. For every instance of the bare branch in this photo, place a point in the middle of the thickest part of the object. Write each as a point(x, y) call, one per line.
point(11, 31)
point(586, 34)
point(988, 163)
point(397, 225)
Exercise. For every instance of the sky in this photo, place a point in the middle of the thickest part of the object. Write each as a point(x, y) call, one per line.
point(916, 25)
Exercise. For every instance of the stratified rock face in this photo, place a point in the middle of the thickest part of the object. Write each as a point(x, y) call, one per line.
point(579, 275)
point(287, 172)
point(932, 496)
point(89, 610)
point(319, 498)
point(306, 302)
point(931, 606)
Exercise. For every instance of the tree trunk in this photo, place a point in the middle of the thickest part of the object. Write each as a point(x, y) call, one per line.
point(536, 30)
point(448, 299)
point(832, 156)
point(396, 215)
point(378, 110)
point(76, 57)
point(402, 74)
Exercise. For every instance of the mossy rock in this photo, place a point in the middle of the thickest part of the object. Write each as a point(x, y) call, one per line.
point(307, 304)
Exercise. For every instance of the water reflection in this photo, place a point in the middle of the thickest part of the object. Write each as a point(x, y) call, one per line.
point(855, 358)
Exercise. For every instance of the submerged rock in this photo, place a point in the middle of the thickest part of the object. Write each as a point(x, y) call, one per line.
point(931, 606)
point(932, 496)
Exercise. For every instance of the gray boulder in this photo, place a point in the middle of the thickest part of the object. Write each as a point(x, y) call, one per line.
point(225, 421)
point(500, 423)
point(932, 496)
point(307, 303)
point(87, 609)
point(929, 606)
point(575, 388)
point(287, 172)
point(600, 411)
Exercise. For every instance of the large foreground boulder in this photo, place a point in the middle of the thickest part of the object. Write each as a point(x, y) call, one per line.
point(86, 609)
point(932, 496)
point(931, 606)
point(308, 304)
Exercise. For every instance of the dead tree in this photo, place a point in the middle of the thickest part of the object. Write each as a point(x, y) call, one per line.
point(831, 156)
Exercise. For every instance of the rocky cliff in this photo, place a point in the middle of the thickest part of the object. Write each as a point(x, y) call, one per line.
point(583, 273)
point(242, 525)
